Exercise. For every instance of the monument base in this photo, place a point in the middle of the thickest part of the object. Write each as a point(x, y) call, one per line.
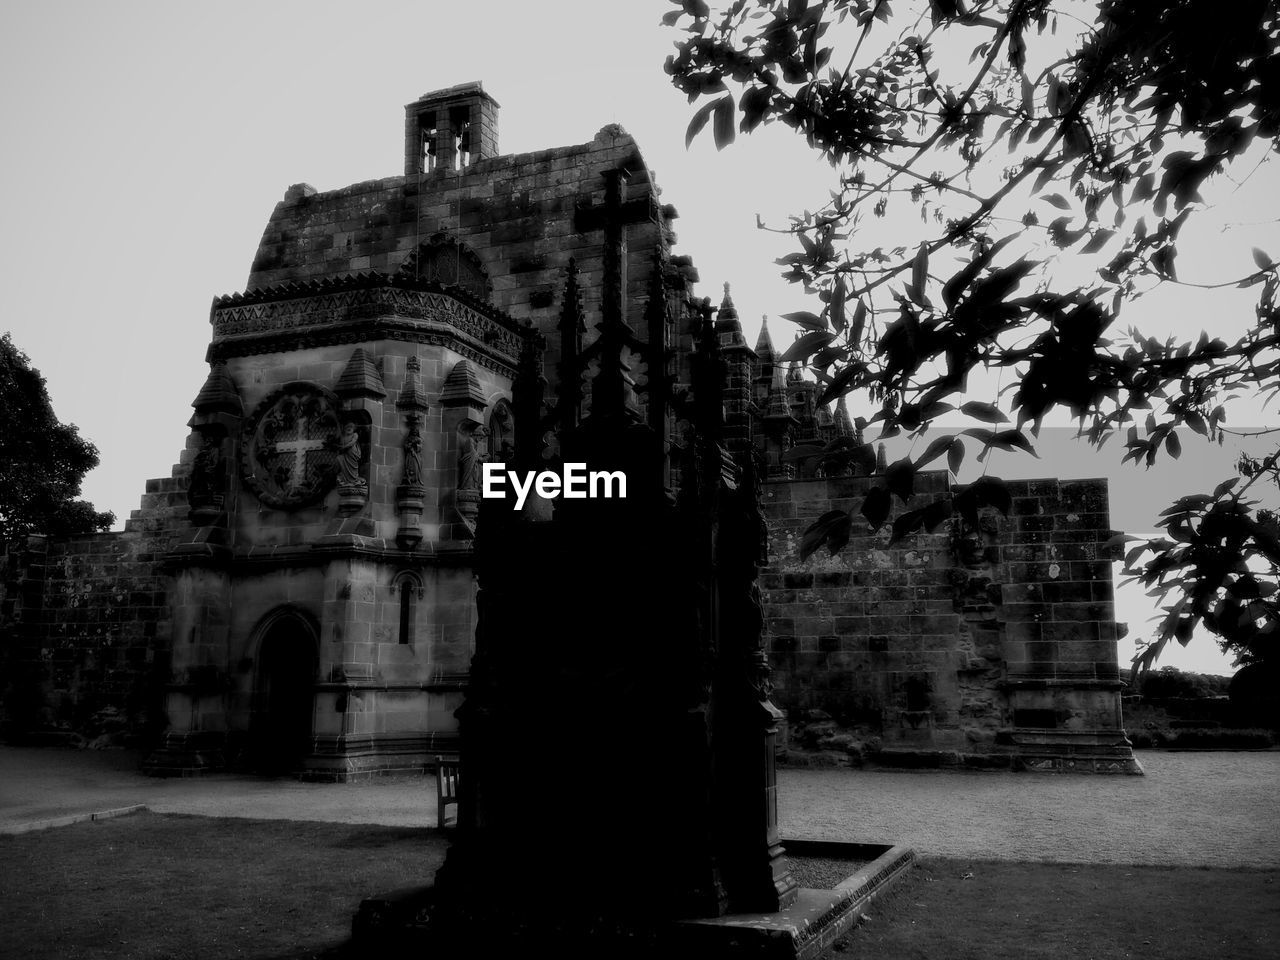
point(398, 924)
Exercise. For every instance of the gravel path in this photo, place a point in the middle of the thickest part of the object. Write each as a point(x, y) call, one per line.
point(41, 784)
point(1199, 809)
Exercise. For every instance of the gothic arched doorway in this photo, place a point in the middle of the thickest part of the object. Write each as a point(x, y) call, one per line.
point(284, 693)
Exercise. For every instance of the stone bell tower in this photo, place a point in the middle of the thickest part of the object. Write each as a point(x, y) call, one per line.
point(450, 129)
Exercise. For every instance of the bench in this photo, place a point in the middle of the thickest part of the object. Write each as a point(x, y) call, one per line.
point(446, 788)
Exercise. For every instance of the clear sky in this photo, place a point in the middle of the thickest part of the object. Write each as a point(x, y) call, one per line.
point(146, 143)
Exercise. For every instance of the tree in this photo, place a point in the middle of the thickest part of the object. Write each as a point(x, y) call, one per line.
point(42, 460)
point(1107, 117)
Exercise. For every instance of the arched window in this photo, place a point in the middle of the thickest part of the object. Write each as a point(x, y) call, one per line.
point(445, 261)
point(408, 589)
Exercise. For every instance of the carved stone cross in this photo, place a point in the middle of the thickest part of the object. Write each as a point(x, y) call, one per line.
point(612, 388)
point(613, 217)
point(299, 447)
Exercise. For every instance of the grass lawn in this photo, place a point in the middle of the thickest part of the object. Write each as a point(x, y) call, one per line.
point(149, 886)
point(146, 887)
point(958, 910)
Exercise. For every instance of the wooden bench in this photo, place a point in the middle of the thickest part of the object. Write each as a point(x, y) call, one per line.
point(446, 788)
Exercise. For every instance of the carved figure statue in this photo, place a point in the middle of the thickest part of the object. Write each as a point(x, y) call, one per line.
point(501, 449)
point(349, 457)
point(206, 470)
point(413, 455)
point(471, 454)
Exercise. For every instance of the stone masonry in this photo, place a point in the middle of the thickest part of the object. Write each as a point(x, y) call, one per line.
point(992, 649)
point(300, 592)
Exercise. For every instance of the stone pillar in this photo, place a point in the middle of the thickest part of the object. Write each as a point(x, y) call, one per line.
point(411, 491)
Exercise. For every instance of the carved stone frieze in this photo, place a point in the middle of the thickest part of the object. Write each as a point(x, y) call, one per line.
point(361, 304)
point(394, 310)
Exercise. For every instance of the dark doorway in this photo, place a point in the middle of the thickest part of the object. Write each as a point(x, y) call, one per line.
point(284, 696)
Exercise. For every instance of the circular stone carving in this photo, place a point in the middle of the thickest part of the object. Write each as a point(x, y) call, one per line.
point(290, 448)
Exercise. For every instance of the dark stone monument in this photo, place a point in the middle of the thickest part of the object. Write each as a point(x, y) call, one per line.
point(631, 628)
point(617, 794)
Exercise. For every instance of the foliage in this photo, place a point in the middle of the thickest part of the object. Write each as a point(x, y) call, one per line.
point(42, 461)
point(1171, 682)
point(1105, 116)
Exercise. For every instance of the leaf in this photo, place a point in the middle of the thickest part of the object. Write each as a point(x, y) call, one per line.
point(1057, 200)
point(992, 492)
point(806, 319)
point(1163, 261)
point(1098, 241)
point(1225, 487)
point(936, 512)
point(955, 456)
point(985, 412)
point(839, 384)
point(1263, 261)
point(1008, 439)
point(907, 524)
point(954, 287)
point(723, 128)
point(807, 346)
point(1134, 553)
point(920, 276)
point(875, 506)
point(837, 305)
point(832, 528)
point(999, 283)
point(901, 478)
point(697, 8)
point(698, 122)
point(754, 104)
point(936, 449)
point(858, 324)
point(1172, 445)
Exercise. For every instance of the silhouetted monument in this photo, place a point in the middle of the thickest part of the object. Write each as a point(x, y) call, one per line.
point(633, 627)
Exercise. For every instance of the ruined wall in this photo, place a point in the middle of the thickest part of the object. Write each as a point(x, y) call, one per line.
point(999, 641)
point(88, 638)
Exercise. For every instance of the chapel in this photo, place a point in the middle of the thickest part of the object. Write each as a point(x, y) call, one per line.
point(298, 596)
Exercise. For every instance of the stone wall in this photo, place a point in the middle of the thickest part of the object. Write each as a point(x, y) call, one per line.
point(516, 213)
point(88, 632)
point(1001, 642)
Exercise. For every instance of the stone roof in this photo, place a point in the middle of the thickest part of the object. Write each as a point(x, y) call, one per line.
point(462, 386)
point(360, 378)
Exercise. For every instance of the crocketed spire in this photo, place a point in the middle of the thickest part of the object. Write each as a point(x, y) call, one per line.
point(764, 342)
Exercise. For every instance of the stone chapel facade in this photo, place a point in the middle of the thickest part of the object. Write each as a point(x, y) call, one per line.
point(298, 595)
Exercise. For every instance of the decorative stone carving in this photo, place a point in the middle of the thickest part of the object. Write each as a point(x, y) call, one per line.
point(349, 455)
point(501, 433)
point(445, 261)
point(291, 447)
point(362, 309)
point(472, 454)
point(412, 474)
point(206, 491)
point(412, 491)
